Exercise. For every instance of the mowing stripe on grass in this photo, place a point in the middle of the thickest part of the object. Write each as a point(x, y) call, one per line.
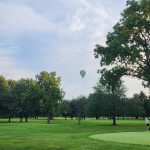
point(142, 138)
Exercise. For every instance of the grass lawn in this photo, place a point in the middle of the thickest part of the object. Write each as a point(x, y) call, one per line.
point(66, 135)
point(142, 138)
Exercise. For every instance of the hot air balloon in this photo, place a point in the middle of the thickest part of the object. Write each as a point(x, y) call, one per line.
point(82, 73)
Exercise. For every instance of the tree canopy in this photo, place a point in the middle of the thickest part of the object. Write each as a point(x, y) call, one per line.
point(50, 91)
point(128, 46)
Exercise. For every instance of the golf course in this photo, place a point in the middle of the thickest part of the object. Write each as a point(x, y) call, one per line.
point(63, 134)
point(74, 75)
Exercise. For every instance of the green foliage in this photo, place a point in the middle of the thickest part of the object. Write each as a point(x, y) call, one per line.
point(102, 104)
point(80, 103)
point(28, 97)
point(97, 105)
point(78, 108)
point(65, 108)
point(134, 107)
point(128, 46)
point(111, 79)
point(3, 94)
point(50, 90)
point(20, 92)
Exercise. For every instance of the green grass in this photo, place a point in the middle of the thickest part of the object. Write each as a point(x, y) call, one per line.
point(142, 138)
point(66, 134)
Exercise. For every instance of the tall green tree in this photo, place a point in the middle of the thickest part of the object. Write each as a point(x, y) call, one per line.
point(51, 92)
point(11, 102)
point(73, 109)
point(34, 98)
point(23, 103)
point(97, 104)
point(134, 107)
point(128, 46)
point(111, 79)
point(81, 108)
point(65, 108)
point(3, 95)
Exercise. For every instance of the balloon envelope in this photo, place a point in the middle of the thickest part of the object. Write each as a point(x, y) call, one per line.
point(82, 73)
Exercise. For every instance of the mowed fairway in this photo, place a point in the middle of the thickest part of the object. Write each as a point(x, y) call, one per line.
point(66, 135)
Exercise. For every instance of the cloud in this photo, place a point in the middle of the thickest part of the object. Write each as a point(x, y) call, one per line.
point(134, 86)
point(10, 69)
point(57, 36)
point(16, 18)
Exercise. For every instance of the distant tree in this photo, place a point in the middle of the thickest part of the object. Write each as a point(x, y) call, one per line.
point(146, 103)
point(10, 102)
point(3, 95)
point(23, 103)
point(34, 97)
point(134, 107)
point(103, 103)
point(97, 104)
point(111, 79)
point(73, 109)
point(80, 103)
point(147, 106)
point(65, 108)
point(51, 92)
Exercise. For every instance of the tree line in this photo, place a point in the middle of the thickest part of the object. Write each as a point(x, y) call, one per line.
point(126, 53)
point(29, 97)
point(102, 104)
point(43, 97)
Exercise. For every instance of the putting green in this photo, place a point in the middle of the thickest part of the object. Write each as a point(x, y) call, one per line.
point(142, 138)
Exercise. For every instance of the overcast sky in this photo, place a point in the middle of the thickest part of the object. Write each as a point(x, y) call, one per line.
point(57, 35)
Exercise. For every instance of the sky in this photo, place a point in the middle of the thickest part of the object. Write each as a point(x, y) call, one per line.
point(57, 35)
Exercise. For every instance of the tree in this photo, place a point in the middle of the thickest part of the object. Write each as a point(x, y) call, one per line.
point(73, 109)
point(105, 102)
point(134, 107)
point(147, 106)
point(146, 103)
point(51, 92)
point(11, 102)
point(111, 79)
point(80, 103)
point(97, 104)
point(65, 108)
point(3, 95)
point(77, 108)
point(34, 96)
point(128, 46)
point(20, 90)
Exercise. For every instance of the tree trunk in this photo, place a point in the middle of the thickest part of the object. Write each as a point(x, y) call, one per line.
point(21, 119)
point(113, 107)
point(79, 120)
point(26, 119)
point(35, 117)
point(84, 117)
point(136, 117)
point(97, 117)
point(9, 119)
point(65, 117)
point(114, 120)
point(48, 118)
